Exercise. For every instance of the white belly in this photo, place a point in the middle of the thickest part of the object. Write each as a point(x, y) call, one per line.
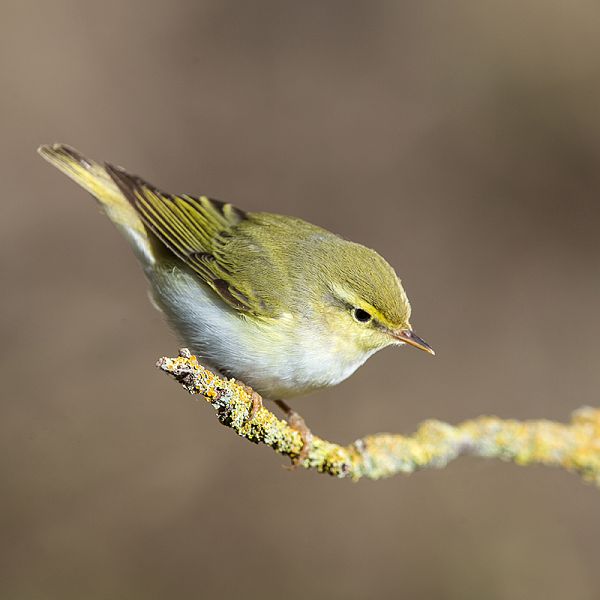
point(278, 360)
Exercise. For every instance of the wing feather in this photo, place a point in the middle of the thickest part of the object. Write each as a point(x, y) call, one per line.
point(196, 230)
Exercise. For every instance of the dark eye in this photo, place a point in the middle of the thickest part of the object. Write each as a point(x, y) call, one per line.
point(362, 316)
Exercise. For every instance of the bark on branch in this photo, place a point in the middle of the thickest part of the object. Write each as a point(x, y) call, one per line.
point(574, 446)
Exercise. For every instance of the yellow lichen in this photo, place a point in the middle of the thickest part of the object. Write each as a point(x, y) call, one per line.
point(574, 446)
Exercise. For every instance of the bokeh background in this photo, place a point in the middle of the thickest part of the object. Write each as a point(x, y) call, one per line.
point(460, 139)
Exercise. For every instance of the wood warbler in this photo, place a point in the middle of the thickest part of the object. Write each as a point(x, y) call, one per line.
point(280, 304)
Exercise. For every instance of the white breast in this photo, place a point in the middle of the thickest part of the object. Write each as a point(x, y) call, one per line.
point(279, 360)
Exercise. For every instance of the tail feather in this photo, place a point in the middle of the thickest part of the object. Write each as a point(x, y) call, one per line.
point(94, 178)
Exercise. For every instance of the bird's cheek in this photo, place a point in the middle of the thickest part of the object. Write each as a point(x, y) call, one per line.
point(374, 340)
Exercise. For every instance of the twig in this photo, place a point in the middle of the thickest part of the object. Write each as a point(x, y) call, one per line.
point(574, 446)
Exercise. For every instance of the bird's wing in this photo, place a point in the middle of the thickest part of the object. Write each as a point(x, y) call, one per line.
point(197, 230)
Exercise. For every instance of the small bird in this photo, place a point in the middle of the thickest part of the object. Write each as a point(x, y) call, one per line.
point(284, 306)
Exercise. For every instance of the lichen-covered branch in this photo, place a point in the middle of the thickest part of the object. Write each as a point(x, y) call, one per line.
point(574, 446)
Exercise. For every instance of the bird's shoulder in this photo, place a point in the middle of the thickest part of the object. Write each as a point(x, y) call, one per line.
point(277, 256)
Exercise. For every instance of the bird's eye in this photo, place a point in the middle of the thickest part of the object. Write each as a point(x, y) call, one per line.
point(362, 316)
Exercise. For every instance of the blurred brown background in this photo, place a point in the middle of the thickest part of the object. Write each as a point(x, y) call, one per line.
point(461, 140)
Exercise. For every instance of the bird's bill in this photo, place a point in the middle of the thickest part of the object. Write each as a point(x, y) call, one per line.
point(408, 337)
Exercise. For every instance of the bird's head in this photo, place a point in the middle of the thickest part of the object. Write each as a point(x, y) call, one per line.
point(366, 306)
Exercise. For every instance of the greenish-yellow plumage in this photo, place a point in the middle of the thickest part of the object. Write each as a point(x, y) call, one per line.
point(283, 305)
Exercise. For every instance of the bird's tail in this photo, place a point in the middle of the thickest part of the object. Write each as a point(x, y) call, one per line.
point(94, 178)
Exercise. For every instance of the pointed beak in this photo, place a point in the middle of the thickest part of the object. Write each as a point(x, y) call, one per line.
point(408, 337)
